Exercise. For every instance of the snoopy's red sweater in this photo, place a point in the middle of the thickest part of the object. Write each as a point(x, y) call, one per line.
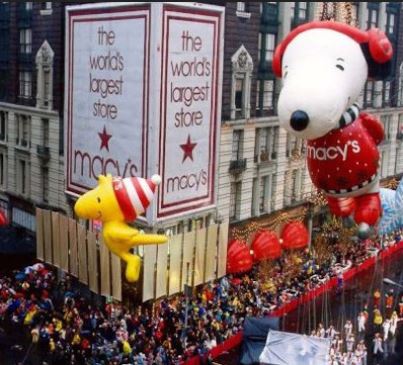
point(346, 159)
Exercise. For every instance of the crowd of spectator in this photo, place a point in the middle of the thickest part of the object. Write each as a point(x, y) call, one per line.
point(65, 328)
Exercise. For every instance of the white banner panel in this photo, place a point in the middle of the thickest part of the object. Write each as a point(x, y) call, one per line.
point(47, 235)
point(162, 261)
point(175, 255)
point(116, 277)
point(200, 252)
point(283, 348)
point(187, 263)
point(39, 235)
point(82, 254)
point(64, 242)
point(105, 268)
point(107, 70)
point(92, 261)
point(149, 260)
point(56, 238)
point(73, 247)
point(190, 96)
point(211, 263)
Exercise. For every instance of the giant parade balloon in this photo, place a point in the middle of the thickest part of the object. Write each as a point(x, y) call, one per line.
point(392, 204)
point(115, 202)
point(3, 219)
point(239, 258)
point(266, 246)
point(324, 66)
point(295, 236)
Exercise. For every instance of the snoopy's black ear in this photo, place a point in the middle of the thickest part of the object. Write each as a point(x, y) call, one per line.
point(376, 71)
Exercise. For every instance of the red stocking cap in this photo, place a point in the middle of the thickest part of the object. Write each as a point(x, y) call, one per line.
point(134, 194)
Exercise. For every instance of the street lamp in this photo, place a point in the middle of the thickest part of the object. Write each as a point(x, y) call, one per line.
point(391, 282)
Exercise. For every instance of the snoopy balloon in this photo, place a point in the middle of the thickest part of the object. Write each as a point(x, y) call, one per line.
point(116, 201)
point(324, 67)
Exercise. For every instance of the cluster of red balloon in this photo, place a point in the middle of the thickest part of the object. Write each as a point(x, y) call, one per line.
point(265, 246)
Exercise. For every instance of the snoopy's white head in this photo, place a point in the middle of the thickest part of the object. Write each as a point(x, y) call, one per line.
point(323, 72)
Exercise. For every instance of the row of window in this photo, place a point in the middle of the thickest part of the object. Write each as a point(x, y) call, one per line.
point(23, 129)
point(264, 193)
point(23, 140)
point(266, 144)
point(22, 167)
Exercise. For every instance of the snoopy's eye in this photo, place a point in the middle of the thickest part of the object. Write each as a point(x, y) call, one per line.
point(340, 67)
point(98, 199)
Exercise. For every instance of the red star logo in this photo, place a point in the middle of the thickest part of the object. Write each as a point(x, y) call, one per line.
point(105, 137)
point(188, 149)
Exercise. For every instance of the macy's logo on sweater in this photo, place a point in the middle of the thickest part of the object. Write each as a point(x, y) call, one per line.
point(333, 152)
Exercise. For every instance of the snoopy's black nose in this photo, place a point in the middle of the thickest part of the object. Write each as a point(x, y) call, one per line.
point(299, 120)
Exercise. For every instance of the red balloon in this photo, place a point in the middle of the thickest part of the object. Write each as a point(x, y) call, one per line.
point(239, 258)
point(266, 246)
point(295, 236)
point(3, 219)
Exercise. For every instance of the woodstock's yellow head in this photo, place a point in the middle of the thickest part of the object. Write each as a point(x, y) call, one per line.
point(100, 203)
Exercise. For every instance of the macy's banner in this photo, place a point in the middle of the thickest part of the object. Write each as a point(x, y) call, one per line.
point(143, 89)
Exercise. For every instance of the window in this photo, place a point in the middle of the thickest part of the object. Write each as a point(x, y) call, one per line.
point(400, 90)
point(45, 184)
point(237, 144)
point(242, 67)
point(266, 143)
point(390, 23)
point(23, 130)
point(397, 160)
point(265, 95)
point(254, 197)
point(400, 128)
point(22, 177)
point(28, 5)
point(3, 172)
point(3, 83)
point(26, 41)
point(384, 166)
point(235, 200)
point(46, 87)
point(267, 45)
point(386, 93)
point(3, 125)
point(354, 14)
point(294, 147)
point(262, 196)
point(369, 93)
point(25, 84)
point(372, 18)
point(296, 184)
point(299, 10)
point(45, 131)
point(387, 126)
point(47, 5)
point(239, 94)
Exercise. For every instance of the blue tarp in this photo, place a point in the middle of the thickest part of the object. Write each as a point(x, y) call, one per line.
point(255, 334)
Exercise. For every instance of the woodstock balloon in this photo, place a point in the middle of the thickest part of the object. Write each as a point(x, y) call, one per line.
point(324, 67)
point(116, 201)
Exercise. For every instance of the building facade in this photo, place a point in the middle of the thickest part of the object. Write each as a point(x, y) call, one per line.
point(262, 167)
point(31, 105)
point(262, 170)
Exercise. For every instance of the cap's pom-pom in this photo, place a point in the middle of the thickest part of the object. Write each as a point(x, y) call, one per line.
point(156, 179)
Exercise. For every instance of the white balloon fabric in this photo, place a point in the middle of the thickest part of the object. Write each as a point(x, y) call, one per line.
point(392, 205)
point(283, 348)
